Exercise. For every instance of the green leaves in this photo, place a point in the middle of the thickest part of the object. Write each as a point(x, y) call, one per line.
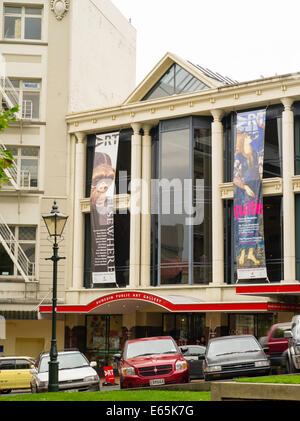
point(6, 157)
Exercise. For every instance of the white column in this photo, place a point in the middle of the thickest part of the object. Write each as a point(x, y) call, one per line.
point(135, 204)
point(146, 208)
point(78, 223)
point(288, 195)
point(217, 156)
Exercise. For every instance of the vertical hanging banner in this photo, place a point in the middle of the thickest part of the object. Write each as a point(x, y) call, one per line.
point(248, 200)
point(102, 208)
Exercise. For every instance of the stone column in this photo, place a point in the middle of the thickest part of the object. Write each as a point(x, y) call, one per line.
point(288, 195)
point(217, 156)
point(146, 208)
point(135, 205)
point(78, 223)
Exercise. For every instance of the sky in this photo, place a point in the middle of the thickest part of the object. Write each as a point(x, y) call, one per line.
point(239, 39)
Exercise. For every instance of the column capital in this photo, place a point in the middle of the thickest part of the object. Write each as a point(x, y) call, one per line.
point(80, 136)
point(217, 114)
point(287, 102)
point(136, 127)
point(147, 128)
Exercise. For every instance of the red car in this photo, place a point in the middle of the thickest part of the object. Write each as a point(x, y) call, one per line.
point(152, 361)
point(276, 344)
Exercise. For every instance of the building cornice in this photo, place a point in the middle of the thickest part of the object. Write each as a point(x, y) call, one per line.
point(228, 98)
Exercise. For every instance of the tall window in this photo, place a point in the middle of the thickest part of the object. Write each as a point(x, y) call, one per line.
point(27, 166)
point(296, 110)
point(22, 22)
point(184, 214)
point(26, 237)
point(27, 94)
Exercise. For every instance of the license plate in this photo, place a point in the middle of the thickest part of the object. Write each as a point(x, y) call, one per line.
point(71, 390)
point(156, 382)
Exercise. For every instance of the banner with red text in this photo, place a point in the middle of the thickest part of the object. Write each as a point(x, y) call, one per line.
point(248, 200)
point(102, 208)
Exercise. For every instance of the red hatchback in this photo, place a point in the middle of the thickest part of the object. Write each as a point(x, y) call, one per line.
point(151, 362)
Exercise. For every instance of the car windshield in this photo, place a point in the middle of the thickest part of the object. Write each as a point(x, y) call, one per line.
point(72, 360)
point(155, 346)
point(232, 346)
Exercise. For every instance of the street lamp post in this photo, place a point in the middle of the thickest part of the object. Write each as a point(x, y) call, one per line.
point(55, 223)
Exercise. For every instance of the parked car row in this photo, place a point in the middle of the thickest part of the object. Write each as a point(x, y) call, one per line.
point(75, 373)
point(159, 360)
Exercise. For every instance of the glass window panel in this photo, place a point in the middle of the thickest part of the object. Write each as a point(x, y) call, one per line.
point(6, 264)
point(13, 10)
point(15, 83)
point(12, 27)
point(29, 250)
point(175, 234)
point(27, 233)
point(29, 172)
point(202, 261)
point(7, 365)
point(297, 144)
point(273, 237)
point(13, 150)
point(33, 11)
point(22, 365)
point(31, 104)
point(33, 28)
point(30, 151)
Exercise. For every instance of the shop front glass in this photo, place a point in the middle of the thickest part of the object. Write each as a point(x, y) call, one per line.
point(105, 337)
point(257, 325)
point(186, 329)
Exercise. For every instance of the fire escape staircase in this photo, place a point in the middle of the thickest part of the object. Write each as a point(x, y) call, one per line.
point(24, 266)
point(15, 252)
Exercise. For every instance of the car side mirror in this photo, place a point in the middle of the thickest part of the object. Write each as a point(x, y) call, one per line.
point(93, 363)
point(288, 334)
point(117, 357)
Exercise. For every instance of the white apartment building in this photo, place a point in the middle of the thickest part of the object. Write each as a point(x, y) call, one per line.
point(57, 57)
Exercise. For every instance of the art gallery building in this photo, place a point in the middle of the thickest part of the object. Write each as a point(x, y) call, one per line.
point(172, 277)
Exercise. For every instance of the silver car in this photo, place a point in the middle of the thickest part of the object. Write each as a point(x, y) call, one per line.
point(75, 373)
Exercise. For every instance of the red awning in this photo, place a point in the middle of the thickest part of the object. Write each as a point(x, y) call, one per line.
point(128, 301)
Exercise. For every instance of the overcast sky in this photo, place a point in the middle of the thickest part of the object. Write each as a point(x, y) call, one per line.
point(239, 39)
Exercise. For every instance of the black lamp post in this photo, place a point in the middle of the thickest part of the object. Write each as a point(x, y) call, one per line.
point(55, 223)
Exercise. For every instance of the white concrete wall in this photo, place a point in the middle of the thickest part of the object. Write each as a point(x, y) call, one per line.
point(103, 55)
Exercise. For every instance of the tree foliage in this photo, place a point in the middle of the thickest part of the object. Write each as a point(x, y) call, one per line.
point(6, 158)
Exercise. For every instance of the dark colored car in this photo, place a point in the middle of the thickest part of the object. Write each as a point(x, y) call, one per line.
point(194, 354)
point(152, 361)
point(276, 344)
point(234, 356)
point(292, 354)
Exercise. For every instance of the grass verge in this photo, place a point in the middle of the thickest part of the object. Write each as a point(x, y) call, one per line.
point(113, 395)
point(282, 379)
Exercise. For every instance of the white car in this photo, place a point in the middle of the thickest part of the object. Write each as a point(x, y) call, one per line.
point(75, 373)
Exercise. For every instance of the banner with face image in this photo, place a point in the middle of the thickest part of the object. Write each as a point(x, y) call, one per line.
point(248, 200)
point(102, 208)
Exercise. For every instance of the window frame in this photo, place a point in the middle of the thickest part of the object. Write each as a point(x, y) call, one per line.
point(18, 157)
point(23, 17)
point(16, 234)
